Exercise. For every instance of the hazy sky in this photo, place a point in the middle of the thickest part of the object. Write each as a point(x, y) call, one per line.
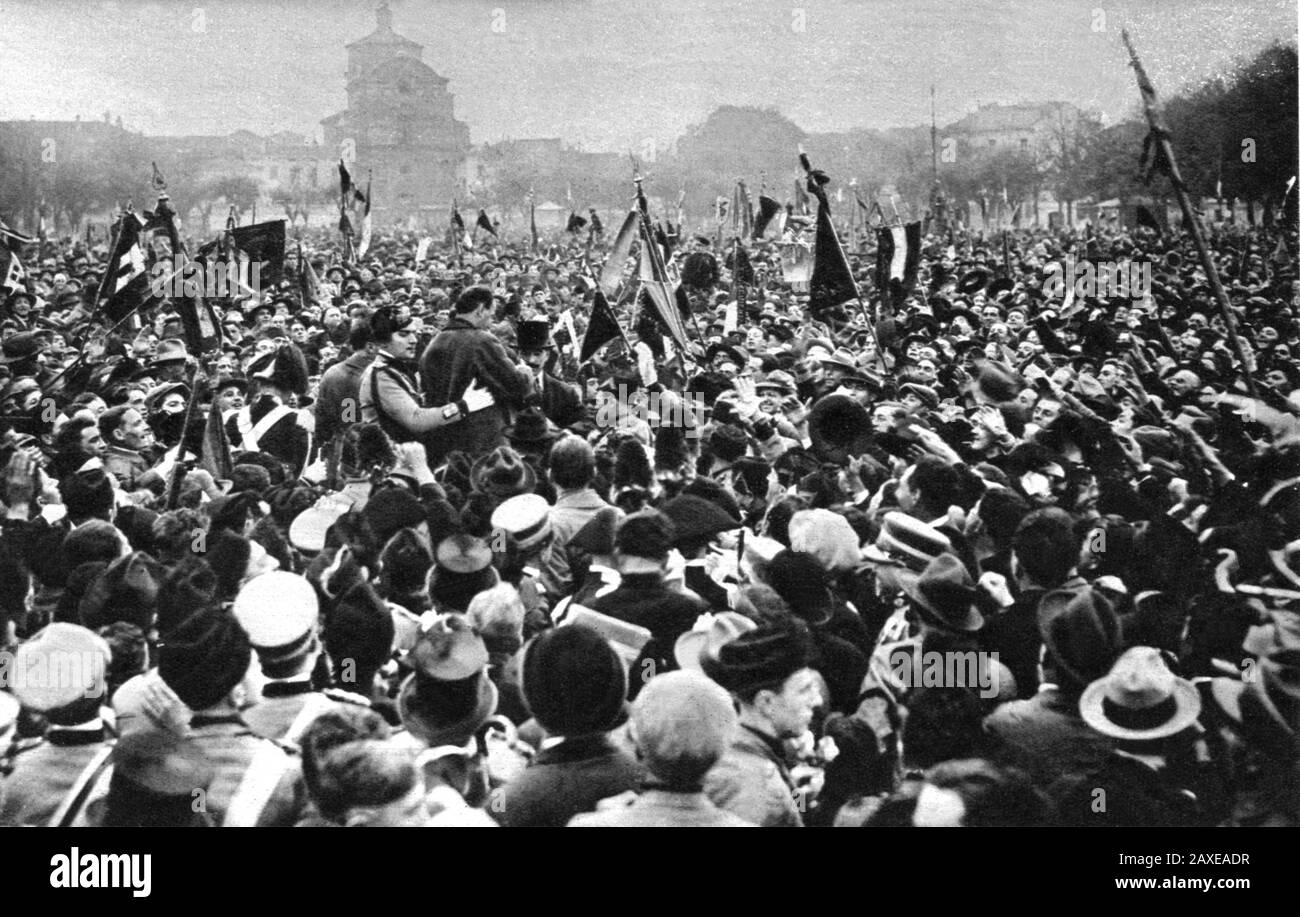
point(607, 74)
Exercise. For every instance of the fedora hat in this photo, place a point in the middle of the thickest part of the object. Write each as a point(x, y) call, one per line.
point(24, 345)
point(171, 350)
point(906, 541)
point(842, 359)
point(448, 695)
point(532, 428)
point(945, 595)
point(1140, 699)
point(502, 473)
point(710, 633)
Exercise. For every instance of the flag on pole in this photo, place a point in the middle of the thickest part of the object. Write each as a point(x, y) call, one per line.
point(831, 284)
point(611, 274)
point(215, 455)
point(742, 214)
point(308, 282)
point(126, 282)
point(898, 258)
point(656, 285)
point(532, 223)
point(575, 223)
point(601, 328)
point(364, 245)
point(767, 210)
point(12, 271)
point(484, 223)
point(262, 244)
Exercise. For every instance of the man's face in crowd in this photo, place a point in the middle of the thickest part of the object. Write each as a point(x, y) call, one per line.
point(534, 359)
point(1109, 377)
point(174, 403)
point(224, 366)
point(297, 333)
point(144, 346)
point(790, 710)
point(92, 442)
point(1046, 412)
point(926, 370)
point(1183, 382)
point(402, 344)
point(883, 419)
point(263, 347)
point(230, 398)
point(990, 314)
point(1266, 336)
point(133, 432)
point(856, 389)
point(1015, 319)
point(22, 307)
point(1277, 379)
point(1025, 350)
point(332, 317)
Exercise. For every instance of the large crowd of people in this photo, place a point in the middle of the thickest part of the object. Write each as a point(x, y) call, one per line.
point(1000, 554)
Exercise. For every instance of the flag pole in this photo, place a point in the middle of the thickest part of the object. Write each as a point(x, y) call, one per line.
point(1160, 136)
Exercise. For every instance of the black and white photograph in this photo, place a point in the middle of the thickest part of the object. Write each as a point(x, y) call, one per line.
point(698, 413)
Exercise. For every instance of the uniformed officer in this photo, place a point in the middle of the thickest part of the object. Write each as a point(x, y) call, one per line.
point(267, 423)
point(59, 673)
point(280, 613)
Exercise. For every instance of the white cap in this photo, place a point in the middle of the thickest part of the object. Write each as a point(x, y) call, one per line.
point(276, 609)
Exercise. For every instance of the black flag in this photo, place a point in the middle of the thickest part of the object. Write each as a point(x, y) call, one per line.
point(484, 223)
point(767, 211)
point(1148, 219)
point(601, 329)
point(575, 223)
point(263, 243)
point(832, 283)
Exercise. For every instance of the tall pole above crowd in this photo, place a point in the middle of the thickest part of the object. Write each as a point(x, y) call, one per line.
point(1161, 151)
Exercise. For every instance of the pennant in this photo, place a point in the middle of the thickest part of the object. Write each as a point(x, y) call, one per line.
point(484, 223)
point(898, 258)
point(308, 282)
point(12, 271)
point(575, 223)
point(658, 289)
point(601, 328)
point(767, 210)
point(126, 282)
point(611, 274)
point(364, 245)
point(215, 455)
point(831, 284)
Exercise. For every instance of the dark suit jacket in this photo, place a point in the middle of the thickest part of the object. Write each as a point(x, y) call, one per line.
point(460, 354)
point(561, 402)
point(340, 381)
point(567, 779)
point(643, 599)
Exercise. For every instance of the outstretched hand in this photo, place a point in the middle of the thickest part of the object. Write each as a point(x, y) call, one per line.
point(477, 398)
